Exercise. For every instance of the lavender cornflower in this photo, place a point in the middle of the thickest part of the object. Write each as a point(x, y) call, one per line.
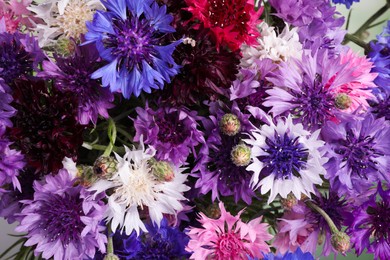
point(173, 132)
point(370, 225)
point(71, 229)
point(359, 149)
point(131, 37)
point(73, 75)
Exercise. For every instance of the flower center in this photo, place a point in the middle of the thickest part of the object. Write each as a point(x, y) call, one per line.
point(137, 189)
point(228, 12)
point(171, 129)
point(380, 217)
point(286, 156)
point(61, 218)
point(229, 246)
point(358, 153)
point(133, 42)
point(72, 22)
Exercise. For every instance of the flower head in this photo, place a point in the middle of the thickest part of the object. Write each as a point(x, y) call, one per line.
point(359, 150)
point(220, 164)
point(70, 229)
point(347, 3)
point(6, 110)
point(228, 237)
point(63, 19)
point(286, 158)
point(369, 228)
point(137, 191)
point(11, 162)
point(309, 89)
point(131, 36)
point(173, 132)
point(44, 129)
point(296, 255)
point(73, 75)
point(232, 21)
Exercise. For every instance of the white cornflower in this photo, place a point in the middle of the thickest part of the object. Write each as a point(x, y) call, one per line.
point(275, 47)
point(63, 19)
point(135, 188)
point(286, 158)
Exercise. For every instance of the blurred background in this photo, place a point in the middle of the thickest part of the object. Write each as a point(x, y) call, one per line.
point(360, 13)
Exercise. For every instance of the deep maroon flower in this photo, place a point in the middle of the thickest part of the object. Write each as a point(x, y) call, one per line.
point(206, 74)
point(173, 132)
point(72, 75)
point(359, 152)
point(220, 165)
point(370, 225)
point(44, 129)
point(63, 220)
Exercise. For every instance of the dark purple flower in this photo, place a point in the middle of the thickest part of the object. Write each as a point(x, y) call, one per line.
point(381, 107)
point(206, 74)
point(44, 129)
point(173, 132)
point(6, 110)
point(62, 220)
point(131, 36)
point(359, 152)
point(369, 228)
point(221, 163)
point(73, 75)
point(19, 55)
point(11, 162)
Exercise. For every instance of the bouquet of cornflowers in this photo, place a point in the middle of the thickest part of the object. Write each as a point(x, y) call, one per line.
point(193, 129)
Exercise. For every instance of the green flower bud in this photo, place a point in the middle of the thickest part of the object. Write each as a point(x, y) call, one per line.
point(343, 101)
point(241, 155)
point(111, 256)
point(289, 202)
point(162, 170)
point(230, 125)
point(105, 167)
point(213, 211)
point(340, 241)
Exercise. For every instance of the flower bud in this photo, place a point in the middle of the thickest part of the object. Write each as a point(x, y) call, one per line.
point(343, 101)
point(289, 202)
point(230, 125)
point(340, 242)
point(86, 175)
point(162, 170)
point(213, 211)
point(241, 155)
point(105, 167)
point(111, 256)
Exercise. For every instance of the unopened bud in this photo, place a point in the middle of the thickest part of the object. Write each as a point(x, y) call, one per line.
point(213, 211)
point(111, 256)
point(340, 242)
point(230, 125)
point(65, 46)
point(86, 175)
point(343, 101)
point(241, 155)
point(162, 170)
point(105, 167)
point(289, 202)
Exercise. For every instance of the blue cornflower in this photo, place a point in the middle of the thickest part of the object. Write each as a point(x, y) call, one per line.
point(297, 255)
point(347, 3)
point(132, 37)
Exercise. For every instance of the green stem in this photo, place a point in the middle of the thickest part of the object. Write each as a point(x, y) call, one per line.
point(100, 147)
point(370, 20)
point(330, 222)
point(125, 133)
point(353, 38)
point(110, 244)
point(111, 135)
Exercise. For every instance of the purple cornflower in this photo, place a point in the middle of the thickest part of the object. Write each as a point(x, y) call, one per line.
point(316, 89)
point(6, 110)
point(73, 75)
point(347, 3)
point(370, 225)
point(19, 55)
point(11, 162)
point(173, 132)
point(220, 165)
point(131, 36)
point(62, 220)
point(303, 227)
point(359, 152)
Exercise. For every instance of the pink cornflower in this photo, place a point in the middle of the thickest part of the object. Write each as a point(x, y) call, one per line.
point(228, 237)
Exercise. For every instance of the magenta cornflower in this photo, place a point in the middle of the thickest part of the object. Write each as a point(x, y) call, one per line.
point(228, 237)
